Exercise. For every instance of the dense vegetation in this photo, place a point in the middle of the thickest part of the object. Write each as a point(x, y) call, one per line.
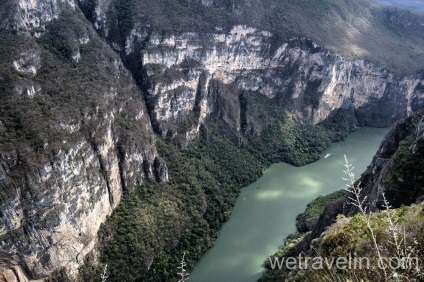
point(183, 215)
point(65, 89)
point(272, 135)
point(351, 236)
point(158, 222)
point(308, 219)
point(280, 138)
point(205, 179)
point(146, 236)
point(406, 176)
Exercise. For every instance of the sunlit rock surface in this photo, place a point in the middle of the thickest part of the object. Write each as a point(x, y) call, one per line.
point(52, 203)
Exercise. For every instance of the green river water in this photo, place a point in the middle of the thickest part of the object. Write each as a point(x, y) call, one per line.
point(266, 210)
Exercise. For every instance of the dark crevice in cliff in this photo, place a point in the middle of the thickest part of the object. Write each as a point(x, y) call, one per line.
point(16, 274)
point(304, 44)
point(312, 93)
point(243, 112)
point(103, 171)
point(88, 9)
point(160, 169)
point(200, 93)
point(133, 62)
point(146, 169)
point(121, 163)
point(214, 93)
point(144, 83)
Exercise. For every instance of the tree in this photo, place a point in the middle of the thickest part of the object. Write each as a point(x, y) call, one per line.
point(183, 272)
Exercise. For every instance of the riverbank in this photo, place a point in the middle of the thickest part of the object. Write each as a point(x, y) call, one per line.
point(262, 217)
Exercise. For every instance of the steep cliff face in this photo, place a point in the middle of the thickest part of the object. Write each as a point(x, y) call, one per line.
point(78, 120)
point(33, 15)
point(397, 169)
point(75, 134)
point(175, 69)
point(300, 76)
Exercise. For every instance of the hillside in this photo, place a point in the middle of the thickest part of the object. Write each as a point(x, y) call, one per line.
point(391, 188)
point(127, 128)
point(356, 29)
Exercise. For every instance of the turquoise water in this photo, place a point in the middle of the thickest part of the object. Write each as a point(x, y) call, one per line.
point(266, 210)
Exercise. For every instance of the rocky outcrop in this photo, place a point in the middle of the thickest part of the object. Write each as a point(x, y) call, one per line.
point(69, 148)
point(402, 145)
point(76, 131)
point(383, 172)
point(300, 76)
point(51, 212)
point(396, 169)
point(31, 16)
point(175, 68)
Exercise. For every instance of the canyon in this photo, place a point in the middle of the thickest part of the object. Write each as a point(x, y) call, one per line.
point(86, 97)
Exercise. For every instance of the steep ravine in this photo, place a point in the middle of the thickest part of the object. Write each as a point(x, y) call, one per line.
point(176, 71)
point(78, 121)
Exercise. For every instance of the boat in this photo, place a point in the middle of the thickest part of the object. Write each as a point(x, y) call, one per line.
point(326, 156)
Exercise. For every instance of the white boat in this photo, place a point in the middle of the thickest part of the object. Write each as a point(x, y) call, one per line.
point(326, 156)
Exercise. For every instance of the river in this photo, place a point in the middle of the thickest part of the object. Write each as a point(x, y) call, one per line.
point(266, 210)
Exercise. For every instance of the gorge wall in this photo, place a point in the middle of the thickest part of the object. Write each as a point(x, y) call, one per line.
point(74, 136)
point(395, 174)
point(175, 71)
point(300, 76)
point(397, 168)
point(81, 108)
